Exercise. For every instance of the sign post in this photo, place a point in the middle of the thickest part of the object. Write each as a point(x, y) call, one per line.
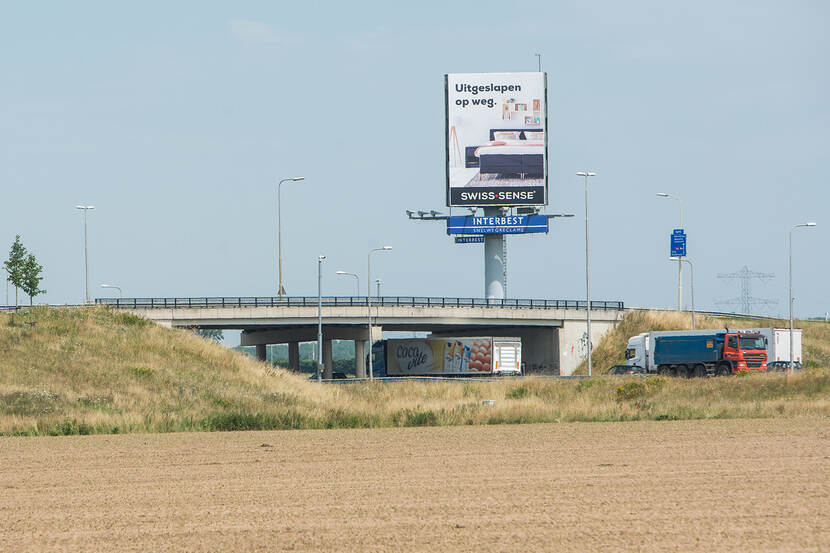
point(677, 243)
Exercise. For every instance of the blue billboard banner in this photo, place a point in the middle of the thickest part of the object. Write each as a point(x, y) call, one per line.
point(503, 224)
point(469, 239)
point(677, 246)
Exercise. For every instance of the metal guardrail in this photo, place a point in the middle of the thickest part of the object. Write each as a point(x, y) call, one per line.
point(345, 301)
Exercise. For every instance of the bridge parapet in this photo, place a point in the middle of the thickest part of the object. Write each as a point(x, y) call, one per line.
point(343, 301)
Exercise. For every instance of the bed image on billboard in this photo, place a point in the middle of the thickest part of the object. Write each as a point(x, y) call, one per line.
point(496, 139)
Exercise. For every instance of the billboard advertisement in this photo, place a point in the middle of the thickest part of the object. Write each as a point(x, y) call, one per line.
point(435, 356)
point(502, 224)
point(496, 139)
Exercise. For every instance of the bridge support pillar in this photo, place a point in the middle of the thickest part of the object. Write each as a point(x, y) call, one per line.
point(262, 352)
point(327, 358)
point(294, 356)
point(360, 359)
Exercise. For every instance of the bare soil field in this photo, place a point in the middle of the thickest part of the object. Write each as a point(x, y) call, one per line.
point(719, 485)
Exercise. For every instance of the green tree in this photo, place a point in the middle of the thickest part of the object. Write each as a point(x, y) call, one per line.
point(30, 282)
point(14, 265)
point(211, 334)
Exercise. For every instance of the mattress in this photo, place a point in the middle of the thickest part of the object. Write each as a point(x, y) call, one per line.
point(510, 147)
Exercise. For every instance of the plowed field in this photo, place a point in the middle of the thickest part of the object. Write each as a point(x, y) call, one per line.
point(744, 485)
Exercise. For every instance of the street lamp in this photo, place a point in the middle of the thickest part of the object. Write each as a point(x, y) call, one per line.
point(369, 300)
point(86, 208)
point(679, 264)
point(120, 295)
point(587, 174)
point(357, 279)
point(692, 271)
point(810, 224)
point(281, 291)
point(320, 259)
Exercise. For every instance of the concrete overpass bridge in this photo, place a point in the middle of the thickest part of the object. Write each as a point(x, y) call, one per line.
point(551, 330)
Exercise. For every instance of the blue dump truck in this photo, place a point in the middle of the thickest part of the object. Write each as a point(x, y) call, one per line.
point(698, 353)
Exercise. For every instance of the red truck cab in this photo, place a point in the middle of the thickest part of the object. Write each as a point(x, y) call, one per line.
point(746, 351)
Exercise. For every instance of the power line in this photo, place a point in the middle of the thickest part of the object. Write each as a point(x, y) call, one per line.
point(746, 301)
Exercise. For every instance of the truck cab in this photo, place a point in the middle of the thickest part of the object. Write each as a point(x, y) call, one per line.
point(746, 351)
point(378, 359)
point(636, 352)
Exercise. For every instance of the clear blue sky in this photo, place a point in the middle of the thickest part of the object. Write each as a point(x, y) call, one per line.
point(176, 119)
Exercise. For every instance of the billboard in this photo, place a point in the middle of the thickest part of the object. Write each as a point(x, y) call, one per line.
point(496, 139)
point(502, 224)
point(426, 356)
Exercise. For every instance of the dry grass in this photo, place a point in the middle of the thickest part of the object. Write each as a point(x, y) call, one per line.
point(96, 371)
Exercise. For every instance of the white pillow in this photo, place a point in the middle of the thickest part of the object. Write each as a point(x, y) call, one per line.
point(536, 136)
point(505, 135)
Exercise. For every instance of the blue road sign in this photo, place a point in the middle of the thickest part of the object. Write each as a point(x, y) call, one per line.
point(469, 239)
point(504, 224)
point(677, 243)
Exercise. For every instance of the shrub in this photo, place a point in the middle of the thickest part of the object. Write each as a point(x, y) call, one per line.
point(517, 393)
point(631, 390)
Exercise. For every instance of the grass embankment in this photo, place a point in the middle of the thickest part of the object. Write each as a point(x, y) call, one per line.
point(95, 371)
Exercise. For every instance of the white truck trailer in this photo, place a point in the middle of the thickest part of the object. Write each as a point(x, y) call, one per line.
point(467, 356)
point(778, 343)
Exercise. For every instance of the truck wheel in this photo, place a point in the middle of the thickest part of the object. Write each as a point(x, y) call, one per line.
point(724, 369)
point(662, 370)
point(700, 371)
point(682, 371)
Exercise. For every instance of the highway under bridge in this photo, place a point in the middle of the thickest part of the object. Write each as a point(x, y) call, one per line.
point(552, 331)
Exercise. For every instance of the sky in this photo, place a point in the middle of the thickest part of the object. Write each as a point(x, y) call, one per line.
point(176, 120)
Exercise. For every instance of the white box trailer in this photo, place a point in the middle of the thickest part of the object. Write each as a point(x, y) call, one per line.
point(778, 343)
point(448, 356)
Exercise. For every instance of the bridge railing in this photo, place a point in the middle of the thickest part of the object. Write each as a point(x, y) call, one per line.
point(344, 301)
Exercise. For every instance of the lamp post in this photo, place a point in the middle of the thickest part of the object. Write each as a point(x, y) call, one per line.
point(692, 273)
point(281, 291)
point(357, 280)
point(120, 295)
point(587, 174)
point(86, 208)
point(679, 264)
point(377, 281)
point(369, 301)
point(810, 224)
point(320, 259)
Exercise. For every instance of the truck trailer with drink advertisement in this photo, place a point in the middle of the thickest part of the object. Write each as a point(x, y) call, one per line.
point(698, 352)
point(433, 356)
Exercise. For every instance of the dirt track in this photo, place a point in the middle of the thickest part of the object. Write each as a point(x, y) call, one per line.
point(666, 486)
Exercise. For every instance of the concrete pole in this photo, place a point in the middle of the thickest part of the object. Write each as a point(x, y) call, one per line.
point(587, 174)
point(261, 352)
point(369, 302)
point(692, 274)
point(85, 209)
point(493, 260)
point(320, 367)
point(791, 288)
point(281, 290)
point(86, 260)
point(680, 267)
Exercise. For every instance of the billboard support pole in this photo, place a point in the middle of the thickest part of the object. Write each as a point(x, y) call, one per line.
point(494, 267)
